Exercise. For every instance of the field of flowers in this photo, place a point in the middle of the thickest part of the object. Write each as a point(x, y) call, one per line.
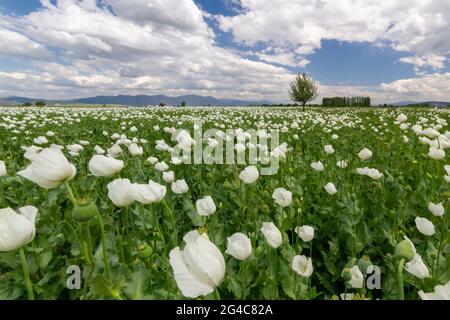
point(358, 208)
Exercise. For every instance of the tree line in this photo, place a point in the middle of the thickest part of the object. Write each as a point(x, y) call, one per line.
point(346, 102)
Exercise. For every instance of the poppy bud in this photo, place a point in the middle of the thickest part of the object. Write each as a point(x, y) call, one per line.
point(145, 251)
point(404, 250)
point(84, 211)
point(258, 251)
point(364, 263)
point(346, 275)
point(265, 209)
point(228, 185)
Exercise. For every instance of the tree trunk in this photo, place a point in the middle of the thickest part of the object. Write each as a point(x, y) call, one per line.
point(304, 106)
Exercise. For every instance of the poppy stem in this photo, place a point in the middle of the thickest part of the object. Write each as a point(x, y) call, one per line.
point(438, 256)
point(26, 273)
point(174, 224)
point(244, 284)
point(71, 195)
point(105, 253)
point(163, 240)
point(1, 192)
point(89, 243)
point(216, 294)
point(401, 292)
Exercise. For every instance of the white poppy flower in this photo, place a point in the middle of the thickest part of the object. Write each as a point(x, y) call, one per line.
point(239, 246)
point(17, 229)
point(282, 197)
point(49, 169)
point(102, 166)
point(199, 268)
point(302, 265)
point(272, 234)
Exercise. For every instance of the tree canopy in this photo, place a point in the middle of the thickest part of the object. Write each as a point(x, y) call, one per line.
point(303, 89)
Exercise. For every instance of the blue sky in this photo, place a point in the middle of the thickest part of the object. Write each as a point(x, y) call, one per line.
point(384, 51)
point(337, 62)
point(19, 7)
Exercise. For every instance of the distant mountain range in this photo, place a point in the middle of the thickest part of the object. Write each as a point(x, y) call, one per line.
point(191, 100)
point(143, 100)
point(430, 103)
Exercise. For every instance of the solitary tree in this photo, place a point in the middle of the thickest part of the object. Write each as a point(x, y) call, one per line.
point(303, 89)
point(40, 103)
point(183, 103)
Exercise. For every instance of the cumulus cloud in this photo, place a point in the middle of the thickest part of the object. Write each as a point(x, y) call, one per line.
point(72, 48)
point(283, 58)
point(419, 26)
point(431, 60)
point(428, 87)
point(141, 47)
point(16, 44)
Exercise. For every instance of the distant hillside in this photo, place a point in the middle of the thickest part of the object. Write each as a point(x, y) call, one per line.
point(430, 103)
point(17, 100)
point(141, 100)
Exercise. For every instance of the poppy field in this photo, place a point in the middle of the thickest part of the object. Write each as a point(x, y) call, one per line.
point(94, 203)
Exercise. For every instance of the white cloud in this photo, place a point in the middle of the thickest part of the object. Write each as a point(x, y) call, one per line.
point(141, 47)
point(428, 87)
point(419, 26)
point(283, 58)
point(13, 75)
point(165, 46)
point(431, 60)
point(179, 14)
point(14, 43)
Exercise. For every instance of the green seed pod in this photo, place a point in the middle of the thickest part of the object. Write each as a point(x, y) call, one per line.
point(145, 251)
point(404, 250)
point(364, 263)
point(84, 212)
point(228, 185)
point(347, 275)
point(258, 251)
point(265, 209)
point(358, 246)
point(59, 239)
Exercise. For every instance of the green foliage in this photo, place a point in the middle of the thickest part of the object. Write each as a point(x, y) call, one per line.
point(40, 103)
point(365, 220)
point(303, 89)
point(346, 102)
